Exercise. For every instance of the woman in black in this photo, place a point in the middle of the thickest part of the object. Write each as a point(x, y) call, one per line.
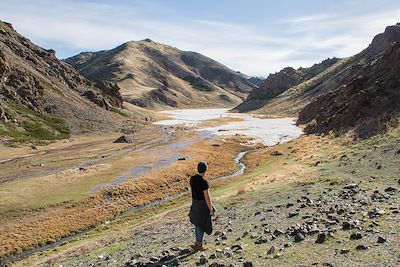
point(202, 208)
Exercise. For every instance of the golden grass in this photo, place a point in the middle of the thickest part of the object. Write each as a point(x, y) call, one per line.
point(56, 221)
point(264, 170)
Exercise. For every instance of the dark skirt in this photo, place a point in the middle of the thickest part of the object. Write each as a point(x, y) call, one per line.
point(199, 215)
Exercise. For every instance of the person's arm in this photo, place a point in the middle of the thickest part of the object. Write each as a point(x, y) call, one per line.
point(208, 201)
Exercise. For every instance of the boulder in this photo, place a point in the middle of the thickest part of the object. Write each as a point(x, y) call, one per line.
point(124, 139)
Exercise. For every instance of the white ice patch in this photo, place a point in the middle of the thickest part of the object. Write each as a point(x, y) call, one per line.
point(268, 131)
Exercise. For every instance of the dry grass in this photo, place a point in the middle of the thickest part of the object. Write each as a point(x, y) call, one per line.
point(60, 179)
point(56, 221)
point(264, 170)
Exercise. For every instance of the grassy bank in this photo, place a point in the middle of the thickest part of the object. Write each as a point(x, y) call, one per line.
point(303, 182)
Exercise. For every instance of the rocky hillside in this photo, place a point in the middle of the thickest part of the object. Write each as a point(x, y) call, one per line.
point(359, 93)
point(257, 80)
point(158, 76)
point(369, 99)
point(43, 98)
point(279, 82)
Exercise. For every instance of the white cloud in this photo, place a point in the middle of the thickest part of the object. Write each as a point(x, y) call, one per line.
point(298, 41)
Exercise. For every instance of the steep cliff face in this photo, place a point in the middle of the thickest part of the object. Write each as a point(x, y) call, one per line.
point(368, 100)
point(159, 76)
point(44, 97)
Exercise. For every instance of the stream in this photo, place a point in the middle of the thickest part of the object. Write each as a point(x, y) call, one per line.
point(267, 131)
point(25, 254)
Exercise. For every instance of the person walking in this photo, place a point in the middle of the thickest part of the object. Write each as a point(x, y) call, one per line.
point(202, 208)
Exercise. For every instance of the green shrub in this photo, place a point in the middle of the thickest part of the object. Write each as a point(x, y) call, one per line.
point(35, 127)
point(116, 110)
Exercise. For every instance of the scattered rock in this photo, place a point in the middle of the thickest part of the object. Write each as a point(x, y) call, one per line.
point(299, 237)
point(344, 251)
point(278, 232)
point(288, 245)
point(271, 250)
point(261, 240)
point(292, 214)
point(154, 259)
point(376, 212)
point(321, 238)
point(381, 240)
point(362, 247)
point(346, 226)
point(213, 256)
point(124, 139)
point(350, 186)
point(356, 236)
point(276, 153)
point(390, 189)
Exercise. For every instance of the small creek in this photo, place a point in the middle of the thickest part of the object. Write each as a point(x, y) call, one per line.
point(278, 130)
point(25, 254)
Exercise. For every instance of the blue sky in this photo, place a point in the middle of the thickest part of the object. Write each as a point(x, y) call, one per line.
point(255, 37)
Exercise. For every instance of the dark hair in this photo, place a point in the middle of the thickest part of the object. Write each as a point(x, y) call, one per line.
point(202, 167)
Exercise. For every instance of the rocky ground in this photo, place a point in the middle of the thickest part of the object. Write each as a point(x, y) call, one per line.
point(316, 201)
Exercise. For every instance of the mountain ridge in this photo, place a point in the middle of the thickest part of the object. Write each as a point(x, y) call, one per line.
point(155, 75)
point(321, 100)
point(44, 98)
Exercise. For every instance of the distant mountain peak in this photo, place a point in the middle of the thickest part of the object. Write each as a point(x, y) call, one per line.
point(156, 75)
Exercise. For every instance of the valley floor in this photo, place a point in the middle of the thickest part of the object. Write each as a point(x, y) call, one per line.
point(315, 201)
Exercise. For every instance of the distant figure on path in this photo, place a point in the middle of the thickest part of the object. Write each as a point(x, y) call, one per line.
point(202, 208)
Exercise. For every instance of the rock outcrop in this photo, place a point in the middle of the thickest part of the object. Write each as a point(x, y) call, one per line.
point(111, 90)
point(35, 87)
point(364, 104)
point(383, 41)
